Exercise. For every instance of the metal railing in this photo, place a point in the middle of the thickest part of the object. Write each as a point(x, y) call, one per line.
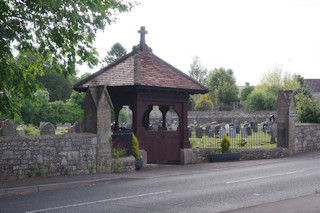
point(242, 137)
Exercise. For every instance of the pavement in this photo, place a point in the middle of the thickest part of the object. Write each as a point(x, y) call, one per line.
point(307, 203)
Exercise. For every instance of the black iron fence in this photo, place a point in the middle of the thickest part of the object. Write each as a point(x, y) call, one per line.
point(245, 135)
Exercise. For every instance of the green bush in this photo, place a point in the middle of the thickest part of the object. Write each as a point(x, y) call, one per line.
point(203, 104)
point(308, 110)
point(135, 146)
point(225, 144)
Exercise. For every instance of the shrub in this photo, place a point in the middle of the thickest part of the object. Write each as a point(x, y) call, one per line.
point(135, 146)
point(225, 144)
point(203, 104)
point(308, 110)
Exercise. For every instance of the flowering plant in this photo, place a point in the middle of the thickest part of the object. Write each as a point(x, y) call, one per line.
point(139, 158)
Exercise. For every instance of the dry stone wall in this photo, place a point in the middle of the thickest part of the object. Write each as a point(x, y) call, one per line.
point(307, 137)
point(54, 154)
point(229, 116)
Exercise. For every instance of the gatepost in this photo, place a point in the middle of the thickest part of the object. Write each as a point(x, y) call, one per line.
point(97, 109)
point(286, 118)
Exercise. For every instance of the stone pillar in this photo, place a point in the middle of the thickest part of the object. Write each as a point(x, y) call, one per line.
point(286, 118)
point(97, 109)
point(103, 130)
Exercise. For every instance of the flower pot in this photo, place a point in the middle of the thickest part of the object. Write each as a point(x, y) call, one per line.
point(139, 164)
point(222, 157)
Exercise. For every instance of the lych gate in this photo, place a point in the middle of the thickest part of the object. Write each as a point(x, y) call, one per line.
point(142, 80)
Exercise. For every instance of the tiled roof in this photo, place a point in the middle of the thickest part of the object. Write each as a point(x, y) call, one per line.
point(156, 72)
point(142, 67)
point(313, 84)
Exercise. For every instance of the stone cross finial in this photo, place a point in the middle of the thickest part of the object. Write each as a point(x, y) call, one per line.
point(142, 32)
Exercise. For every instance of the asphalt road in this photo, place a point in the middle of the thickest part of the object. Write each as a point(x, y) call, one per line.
point(207, 187)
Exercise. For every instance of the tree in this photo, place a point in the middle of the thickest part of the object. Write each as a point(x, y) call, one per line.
point(117, 51)
point(58, 33)
point(304, 89)
point(220, 76)
point(227, 93)
point(275, 79)
point(59, 88)
point(245, 92)
point(197, 70)
point(203, 104)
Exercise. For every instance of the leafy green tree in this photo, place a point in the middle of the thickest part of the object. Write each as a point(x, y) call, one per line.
point(276, 79)
point(245, 92)
point(191, 103)
point(203, 104)
point(308, 110)
point(117, 51)
point(255, 101)
point(304, 89)
point(197, 70)
point(220, 76)
point(227, 93)
point(59, 34)
point(59, 88)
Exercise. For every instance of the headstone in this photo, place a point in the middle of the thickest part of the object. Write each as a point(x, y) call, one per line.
point(244, 133)
point(274, 129)
point(41, 124)
point(190, 132)
point(79, 126)
point(9, 129)
point(199, 132)
point(58, 125)
point(20, 132)
point(1, 124)
point(254, 126)
point(222, 132)
point(227, 127)
point(249, 130)
point(237, 128)
point(68, 125)
point(174, 127)
point(208, 130)
point(47, 129)
point(232, 133)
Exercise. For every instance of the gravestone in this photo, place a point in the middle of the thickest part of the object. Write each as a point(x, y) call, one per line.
point(79, 126)
point(244, 133)
point(222, 132)
point(237, 128)
point(190, 132)
point(68, 125)
point(20, 132)
point(58, 125)
point(208, 130)
point(199, 132)
point(47, 129)
point(1, 124)
point(254, 126)
point(174, 127)
point(232, 133)
point(9, 129)
point(227, 127)
point(249, 130)
point(41, 124)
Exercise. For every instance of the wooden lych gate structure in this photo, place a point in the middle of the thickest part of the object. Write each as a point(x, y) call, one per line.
point(142, 80)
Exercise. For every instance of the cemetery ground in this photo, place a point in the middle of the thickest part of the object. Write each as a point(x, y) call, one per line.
point(287, 184)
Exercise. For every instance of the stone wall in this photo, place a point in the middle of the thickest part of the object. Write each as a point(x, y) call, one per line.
point(203, 154)
point(229, 116)
point(307, 137)
point(55, 154)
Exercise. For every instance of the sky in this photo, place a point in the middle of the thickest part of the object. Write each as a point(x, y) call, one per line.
point(248, 36)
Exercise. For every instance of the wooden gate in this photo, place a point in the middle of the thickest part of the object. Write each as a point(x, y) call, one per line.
point(162, 146)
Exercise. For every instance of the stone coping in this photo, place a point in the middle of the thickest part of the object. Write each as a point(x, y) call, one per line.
point(46, 137)
point(307, 124)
